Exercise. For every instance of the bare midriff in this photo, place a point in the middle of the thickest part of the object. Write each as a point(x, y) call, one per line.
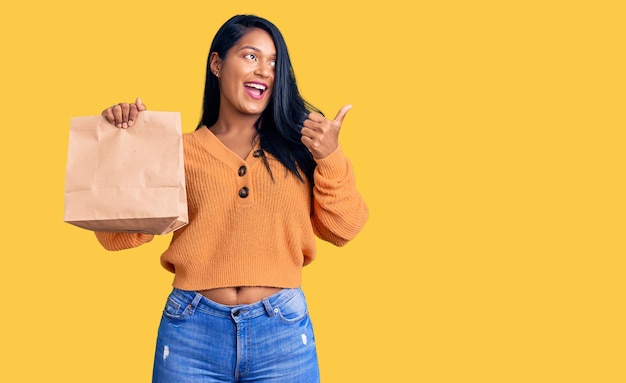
point(232, 296)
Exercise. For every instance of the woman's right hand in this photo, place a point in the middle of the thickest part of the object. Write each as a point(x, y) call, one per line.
point(123, 115)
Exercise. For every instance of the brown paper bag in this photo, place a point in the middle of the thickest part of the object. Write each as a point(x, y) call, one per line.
point(126, 180)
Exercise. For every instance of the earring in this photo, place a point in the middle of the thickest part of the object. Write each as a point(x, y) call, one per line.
point(216, 74)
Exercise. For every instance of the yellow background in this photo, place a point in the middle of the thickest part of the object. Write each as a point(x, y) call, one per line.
point(488, 141)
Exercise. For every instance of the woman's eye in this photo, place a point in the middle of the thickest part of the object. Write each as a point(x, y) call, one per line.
point(273, 63)
point(250, 56)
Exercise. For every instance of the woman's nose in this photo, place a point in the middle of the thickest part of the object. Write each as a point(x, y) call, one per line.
point(262, 70)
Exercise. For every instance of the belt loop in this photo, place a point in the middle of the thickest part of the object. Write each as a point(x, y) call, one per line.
point(192, 306)
point(268, 307)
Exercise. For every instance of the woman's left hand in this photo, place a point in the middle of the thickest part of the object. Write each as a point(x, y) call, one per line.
point(321, 135)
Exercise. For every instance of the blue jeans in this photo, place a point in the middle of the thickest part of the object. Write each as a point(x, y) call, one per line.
point(268, 341)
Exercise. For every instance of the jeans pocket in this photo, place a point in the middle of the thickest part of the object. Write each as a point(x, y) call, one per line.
point(175, 310)
point(294, 310)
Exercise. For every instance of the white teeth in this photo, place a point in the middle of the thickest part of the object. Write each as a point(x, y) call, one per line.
point(254, 85)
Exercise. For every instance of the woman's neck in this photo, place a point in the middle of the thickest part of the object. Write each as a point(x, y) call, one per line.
point(231, 121)
point(239, 135)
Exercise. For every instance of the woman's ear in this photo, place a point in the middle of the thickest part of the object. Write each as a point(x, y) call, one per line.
point(216, 64)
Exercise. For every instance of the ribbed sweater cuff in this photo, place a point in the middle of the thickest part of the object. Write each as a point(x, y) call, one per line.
point(333, 166)
point(120, 241)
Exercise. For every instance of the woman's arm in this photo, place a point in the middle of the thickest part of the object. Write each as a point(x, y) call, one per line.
point(120, 241)
point(339, 211)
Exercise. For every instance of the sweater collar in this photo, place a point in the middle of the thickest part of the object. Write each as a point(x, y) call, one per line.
point(214, 146)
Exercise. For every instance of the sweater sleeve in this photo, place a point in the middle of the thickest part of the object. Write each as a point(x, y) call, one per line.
point(120, 241)
point(339, 211)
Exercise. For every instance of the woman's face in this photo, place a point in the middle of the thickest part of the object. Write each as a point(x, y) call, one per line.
point(246, 75)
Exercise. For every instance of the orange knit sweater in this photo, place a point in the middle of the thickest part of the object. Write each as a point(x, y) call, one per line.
point(247, 230)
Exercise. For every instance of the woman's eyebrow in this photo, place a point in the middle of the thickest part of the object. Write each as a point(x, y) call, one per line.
point(250, 47)
point(254, 49)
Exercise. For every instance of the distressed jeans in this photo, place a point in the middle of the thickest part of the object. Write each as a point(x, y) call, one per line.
point(268, 341)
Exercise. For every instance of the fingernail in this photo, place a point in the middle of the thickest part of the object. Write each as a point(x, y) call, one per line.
point(119, 125)
point(124, 125)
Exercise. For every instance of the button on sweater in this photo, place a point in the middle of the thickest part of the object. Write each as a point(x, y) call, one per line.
point(246, 229)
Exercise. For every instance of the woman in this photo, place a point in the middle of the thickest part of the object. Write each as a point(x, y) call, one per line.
point(265, 175)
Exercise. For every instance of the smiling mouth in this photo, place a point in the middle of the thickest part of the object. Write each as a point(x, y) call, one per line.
point(255, 89)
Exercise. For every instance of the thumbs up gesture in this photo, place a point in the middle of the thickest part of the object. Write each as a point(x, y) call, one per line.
point(321, 135)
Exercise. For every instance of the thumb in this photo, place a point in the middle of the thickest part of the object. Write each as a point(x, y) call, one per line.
point(140, 105)
point(342, 114)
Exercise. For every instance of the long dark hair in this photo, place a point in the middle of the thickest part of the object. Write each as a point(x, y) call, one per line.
point(280, 123)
